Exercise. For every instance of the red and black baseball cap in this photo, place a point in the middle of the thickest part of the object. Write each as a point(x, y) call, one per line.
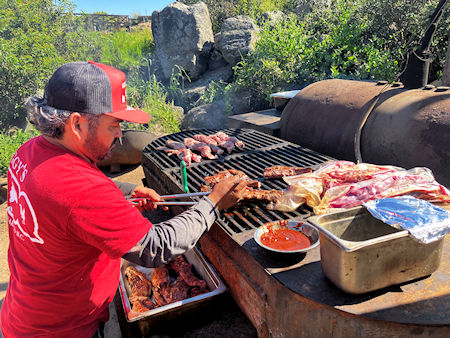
point(94, 88)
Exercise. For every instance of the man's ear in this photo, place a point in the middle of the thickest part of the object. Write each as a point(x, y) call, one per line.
point(76, 124)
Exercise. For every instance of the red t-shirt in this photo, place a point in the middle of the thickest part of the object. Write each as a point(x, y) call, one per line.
point(68, 227)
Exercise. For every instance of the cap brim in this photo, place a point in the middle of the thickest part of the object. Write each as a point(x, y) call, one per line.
point(131, 115)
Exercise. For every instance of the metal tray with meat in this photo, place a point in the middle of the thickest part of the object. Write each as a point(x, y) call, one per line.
point(187, 281)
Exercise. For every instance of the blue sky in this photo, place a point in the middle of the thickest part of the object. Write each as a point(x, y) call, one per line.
point(122, 7)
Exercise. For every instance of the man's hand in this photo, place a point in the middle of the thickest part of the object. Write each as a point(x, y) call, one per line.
point(147, 204)
point(228, 192)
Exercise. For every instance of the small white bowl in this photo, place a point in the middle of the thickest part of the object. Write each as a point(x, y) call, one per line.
point(308, 230)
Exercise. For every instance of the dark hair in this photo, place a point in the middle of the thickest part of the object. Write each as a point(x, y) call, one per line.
point(51, 121)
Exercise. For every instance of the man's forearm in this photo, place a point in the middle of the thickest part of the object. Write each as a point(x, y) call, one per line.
point(126, 188)
point(169, 239)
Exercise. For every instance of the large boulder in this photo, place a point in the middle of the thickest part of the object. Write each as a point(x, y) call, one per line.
point(247, 100)
point(183, 36)
point(193, 91)
point(216, 59)
point(237, 38)
point(208, 116)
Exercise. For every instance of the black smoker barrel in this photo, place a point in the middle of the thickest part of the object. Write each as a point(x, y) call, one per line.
point(288, 296)
point(407, 128)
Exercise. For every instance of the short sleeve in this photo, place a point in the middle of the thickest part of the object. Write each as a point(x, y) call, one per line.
point(103, 218)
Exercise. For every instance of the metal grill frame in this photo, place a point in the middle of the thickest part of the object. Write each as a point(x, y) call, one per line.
point(261, 151)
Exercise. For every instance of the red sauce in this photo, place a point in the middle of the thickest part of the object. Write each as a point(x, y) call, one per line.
point(285, 239)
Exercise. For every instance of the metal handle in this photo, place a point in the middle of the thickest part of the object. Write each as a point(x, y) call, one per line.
point(192, 194)
point(135, 202)
point(167, 197)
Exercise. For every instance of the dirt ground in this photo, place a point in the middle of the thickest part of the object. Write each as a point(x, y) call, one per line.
point(225, 321)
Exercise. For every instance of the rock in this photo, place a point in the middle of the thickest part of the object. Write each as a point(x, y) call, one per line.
point(216, 60)
point(306, 6)
point(247, 100)
point(271, 18)
point(130, 151)
point(193, 91)
point(183, 36)
point(238, 37)
point(209, 116)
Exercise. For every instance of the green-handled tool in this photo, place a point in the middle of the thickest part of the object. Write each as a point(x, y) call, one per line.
point(184, 176)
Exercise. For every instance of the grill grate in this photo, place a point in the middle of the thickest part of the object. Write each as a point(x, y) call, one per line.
point(261, 151)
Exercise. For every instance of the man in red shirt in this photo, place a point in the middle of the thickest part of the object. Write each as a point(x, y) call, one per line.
point(69, 225)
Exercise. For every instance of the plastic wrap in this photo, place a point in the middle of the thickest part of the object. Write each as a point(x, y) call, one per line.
point(424, 221)
point(342, 184)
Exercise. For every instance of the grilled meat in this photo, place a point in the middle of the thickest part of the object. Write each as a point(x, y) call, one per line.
point(143, 305)
point(158, 297)
point(184, 269)
point(139, 284)
point(178, 291)
point(264, 195)
point(210, 142)
point(196, 290)
point(213, 180)
point(183, 154)
point(161, 285)
point(169, 283)
point(203, 148)
point(175, 145)
point(140, 290)
point(227, 142)
point(206, 139)
point(279, 171)
point(160, 276)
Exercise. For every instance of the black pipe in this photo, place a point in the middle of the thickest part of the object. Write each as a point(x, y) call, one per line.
point(415, 74)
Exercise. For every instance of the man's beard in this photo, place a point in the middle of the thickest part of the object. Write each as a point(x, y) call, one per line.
point(98, 151)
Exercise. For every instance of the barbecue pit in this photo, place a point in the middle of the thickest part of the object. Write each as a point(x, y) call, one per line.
point(289, 295)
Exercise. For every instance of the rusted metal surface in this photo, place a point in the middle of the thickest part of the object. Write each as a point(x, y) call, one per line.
point(325, 115)
point(411, 129)
point(288, 296)
point(302, 302)
point(406, 128)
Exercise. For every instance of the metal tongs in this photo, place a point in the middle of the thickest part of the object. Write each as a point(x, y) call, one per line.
point(135, 200)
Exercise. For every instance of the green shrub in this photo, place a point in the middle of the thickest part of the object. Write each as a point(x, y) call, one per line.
point(346, 40)
point(145, 92)
point(125, 50)
point(36, 37)
point(9, 143)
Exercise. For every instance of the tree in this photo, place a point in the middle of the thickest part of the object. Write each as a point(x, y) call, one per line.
point(36, 36)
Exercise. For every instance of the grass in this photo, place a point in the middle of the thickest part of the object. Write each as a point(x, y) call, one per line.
point(9, 143)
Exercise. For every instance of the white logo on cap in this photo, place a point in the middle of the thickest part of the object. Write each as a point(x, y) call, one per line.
point(124, 92)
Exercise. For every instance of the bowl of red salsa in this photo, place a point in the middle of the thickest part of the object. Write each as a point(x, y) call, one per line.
point(287, 236)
